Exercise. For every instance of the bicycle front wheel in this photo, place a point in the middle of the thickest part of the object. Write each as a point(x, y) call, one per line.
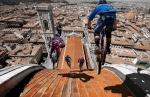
point(99, 62)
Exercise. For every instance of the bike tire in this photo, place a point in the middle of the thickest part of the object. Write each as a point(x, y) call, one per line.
point(103, 56)
point(101, 61)
point(99, 67)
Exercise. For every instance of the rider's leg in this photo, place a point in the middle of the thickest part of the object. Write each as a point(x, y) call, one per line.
point(80, 66)
point(58, 53)
point(108, 41)
point(70, 64)
point(109, 29)
point(97, 38)
point(102, 39)
point(97, 42)
point(53, 64)
point(59, 32)
point(98, 29)
point(52, 49)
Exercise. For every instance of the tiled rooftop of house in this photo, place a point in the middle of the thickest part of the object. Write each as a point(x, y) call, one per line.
point(122, 41)
point(124, 52)
point(143, 45)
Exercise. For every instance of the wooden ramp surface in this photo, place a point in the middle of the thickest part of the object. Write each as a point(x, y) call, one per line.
point(66, 82)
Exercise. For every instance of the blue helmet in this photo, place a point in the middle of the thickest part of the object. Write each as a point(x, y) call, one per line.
point(102, 2)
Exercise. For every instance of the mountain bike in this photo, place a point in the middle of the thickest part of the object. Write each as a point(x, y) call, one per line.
point(101, 56)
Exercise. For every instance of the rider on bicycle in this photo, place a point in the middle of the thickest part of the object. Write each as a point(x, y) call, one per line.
point(107, 18)
point(59, 28)
point(81, 62)
point(56, 43)
point(68, 60)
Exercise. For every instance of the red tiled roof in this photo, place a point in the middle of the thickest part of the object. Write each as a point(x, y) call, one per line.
point(122, 52)
point(144, 45)
point(121, 41)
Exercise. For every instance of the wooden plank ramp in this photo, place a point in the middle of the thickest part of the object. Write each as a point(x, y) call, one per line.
point(69, 82)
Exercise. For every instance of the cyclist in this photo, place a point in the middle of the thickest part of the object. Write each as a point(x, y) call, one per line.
point(59, 28)
point(81, 62)
point(68, 60)
point(56, 43)
point(107, 19)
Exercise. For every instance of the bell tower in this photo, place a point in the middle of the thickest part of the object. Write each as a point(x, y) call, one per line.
point(45, 15)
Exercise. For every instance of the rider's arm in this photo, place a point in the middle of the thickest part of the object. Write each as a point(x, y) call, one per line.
point(93, 14)
point(59, 27)
point(61, 41)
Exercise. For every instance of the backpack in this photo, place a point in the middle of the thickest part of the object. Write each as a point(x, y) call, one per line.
point(55, 42)
point(58, 42)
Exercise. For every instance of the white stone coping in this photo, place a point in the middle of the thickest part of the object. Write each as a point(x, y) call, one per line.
point(126, 69)
point(13, 72)
point(43, 6)
point(8, 69)
point(148, 95)
point(146, 71)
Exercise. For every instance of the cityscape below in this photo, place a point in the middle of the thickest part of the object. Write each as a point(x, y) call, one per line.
point(26, 30)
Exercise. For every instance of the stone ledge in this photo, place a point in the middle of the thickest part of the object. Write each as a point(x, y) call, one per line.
point(137, 83)
point(9, 80)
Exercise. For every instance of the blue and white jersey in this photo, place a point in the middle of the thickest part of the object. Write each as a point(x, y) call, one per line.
point(105, 10)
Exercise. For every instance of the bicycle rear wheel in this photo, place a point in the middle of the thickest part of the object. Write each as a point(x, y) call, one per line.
point(99, 67)
point(103, 56)
point(99, 61)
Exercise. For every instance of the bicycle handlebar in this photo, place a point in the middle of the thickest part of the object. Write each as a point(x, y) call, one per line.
point(89, 27)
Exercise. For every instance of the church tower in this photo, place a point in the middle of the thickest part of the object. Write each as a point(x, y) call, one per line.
point(45, 15)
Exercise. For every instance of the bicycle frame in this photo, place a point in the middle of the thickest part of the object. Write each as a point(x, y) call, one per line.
point(102, 48)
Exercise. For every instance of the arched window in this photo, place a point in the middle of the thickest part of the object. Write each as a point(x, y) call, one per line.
point(45, 25)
